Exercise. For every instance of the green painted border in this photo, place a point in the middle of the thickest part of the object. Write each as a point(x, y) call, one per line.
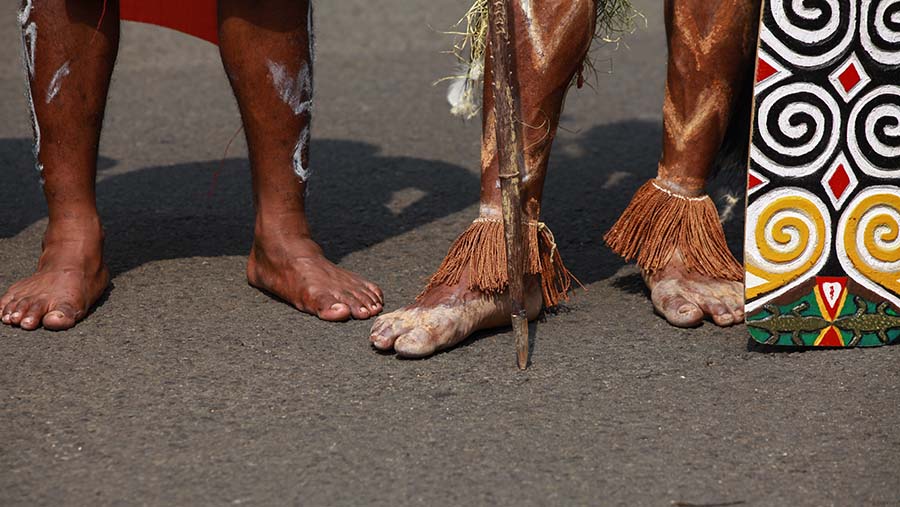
point(850, 308)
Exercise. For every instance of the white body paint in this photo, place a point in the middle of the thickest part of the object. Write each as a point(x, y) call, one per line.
point(490, 211)
point(56, 82)
point(543, 43)
point(25, 13)
point(29, 49)
point(300, 169)
point(296, 92)
point(464, 92)
point(29, 41)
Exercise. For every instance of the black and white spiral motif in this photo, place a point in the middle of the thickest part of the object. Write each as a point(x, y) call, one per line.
point(810, 33)
point(873, 132)
point(798, 127)
point(880, 30)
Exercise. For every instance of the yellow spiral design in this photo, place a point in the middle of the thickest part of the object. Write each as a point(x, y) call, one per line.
point(871, 236)
point(790, 235)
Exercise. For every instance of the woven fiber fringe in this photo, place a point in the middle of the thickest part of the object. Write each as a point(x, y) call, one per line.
point(657, 222)
point(481, 253)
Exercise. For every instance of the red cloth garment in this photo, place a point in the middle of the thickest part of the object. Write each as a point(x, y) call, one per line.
point(193, 17)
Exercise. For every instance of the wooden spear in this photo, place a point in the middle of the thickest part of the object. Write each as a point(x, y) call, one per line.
point(507, 109)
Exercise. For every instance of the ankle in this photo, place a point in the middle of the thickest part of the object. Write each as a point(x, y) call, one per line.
point(270, 245)
point(282, 223)
point(680, 188)
point(72, 230)
point(73, 243)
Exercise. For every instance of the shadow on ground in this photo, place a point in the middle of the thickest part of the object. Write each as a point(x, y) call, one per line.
point(204, 209)
point(357, 198)
point(593, 177)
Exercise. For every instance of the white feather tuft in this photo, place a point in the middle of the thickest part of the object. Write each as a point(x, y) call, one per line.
point(464, 92)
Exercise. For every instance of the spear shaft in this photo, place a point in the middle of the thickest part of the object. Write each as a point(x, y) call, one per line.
point(507, 108)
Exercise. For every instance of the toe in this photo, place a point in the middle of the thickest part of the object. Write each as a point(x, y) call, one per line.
point(679, 311)
point(379, 296)
point(18, 312)
point(60, 317)
point(719, 312)
point(416, 343)
point(735, 305)
point(32, 318)
point(8, 308)
point(373, 302)
point(386, 330)
point(6, 299)
point(378, 327)
point(338, 312)
point(722, 316)
point(358, 305)
point(359, 312)
point(330, 309)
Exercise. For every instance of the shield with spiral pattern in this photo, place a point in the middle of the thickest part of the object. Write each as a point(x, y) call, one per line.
point(822, 244)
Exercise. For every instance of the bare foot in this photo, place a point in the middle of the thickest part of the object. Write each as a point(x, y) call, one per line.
point(296, 271)
point(685, 299)
point(445, 316)
point(70, 277)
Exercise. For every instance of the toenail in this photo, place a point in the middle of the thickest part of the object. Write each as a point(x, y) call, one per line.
point(15, 315)
point(337, 306)
point(27, 322)
point(686, 309)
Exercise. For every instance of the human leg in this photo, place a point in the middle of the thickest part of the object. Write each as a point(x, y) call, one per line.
point(267, 50)
point(69, 61)
point(467, 293)
point(671, 226)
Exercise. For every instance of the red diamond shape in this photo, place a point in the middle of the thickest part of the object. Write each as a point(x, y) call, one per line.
point(849, 77)
point(839, 181)
point(764, 71)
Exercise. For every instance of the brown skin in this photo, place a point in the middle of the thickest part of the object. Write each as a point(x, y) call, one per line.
point(711, 46)
point(710, 49)
point(284, 259)
point(71, 274)
point(547, 60)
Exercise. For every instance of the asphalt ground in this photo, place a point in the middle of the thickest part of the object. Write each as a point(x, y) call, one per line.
point(187, 387)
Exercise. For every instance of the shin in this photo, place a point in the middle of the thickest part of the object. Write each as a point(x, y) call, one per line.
point(69, 50)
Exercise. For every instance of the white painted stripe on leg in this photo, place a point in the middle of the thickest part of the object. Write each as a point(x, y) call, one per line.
point(25, 13)
point(301, 169)
point(29, 49)
point(296, 92)
point(56, 82)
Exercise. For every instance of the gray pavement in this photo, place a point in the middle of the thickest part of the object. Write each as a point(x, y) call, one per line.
point(187, 387)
